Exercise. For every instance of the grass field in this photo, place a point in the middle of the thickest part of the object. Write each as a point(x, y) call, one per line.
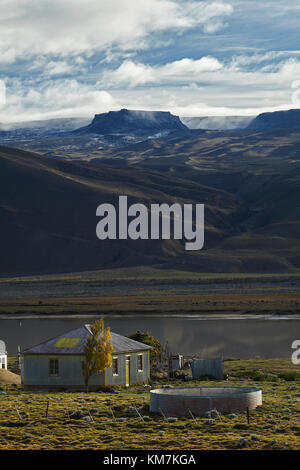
point(149, 290)
point(169, 303)
point(274, 425)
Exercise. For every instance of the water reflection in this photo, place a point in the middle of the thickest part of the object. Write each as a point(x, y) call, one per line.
point(209, 338)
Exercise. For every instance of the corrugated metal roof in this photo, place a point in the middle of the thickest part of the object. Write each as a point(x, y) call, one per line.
point(120, 343)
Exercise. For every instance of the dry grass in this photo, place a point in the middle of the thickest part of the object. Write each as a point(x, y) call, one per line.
point(276, 423)
point(167, 301)
point(9, 378)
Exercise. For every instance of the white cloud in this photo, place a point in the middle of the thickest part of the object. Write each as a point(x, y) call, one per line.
point(133, 74)
point(73, 27)
point(57, 68)
point(61, 98)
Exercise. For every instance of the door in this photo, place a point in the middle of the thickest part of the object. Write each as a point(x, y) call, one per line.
point(127, 371)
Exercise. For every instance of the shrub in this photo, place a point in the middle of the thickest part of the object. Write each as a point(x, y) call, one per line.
point(147, 338)
point(288, 375)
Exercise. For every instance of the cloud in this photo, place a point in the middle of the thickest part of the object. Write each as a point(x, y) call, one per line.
point(58, 68)
point(73, 27)
point(78, 58)
point(61, 98)
point(200, 87)
point(134, 74)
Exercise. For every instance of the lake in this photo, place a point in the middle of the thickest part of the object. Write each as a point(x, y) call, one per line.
point(266, 338)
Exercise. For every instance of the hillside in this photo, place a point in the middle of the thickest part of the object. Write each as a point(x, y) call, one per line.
point(48, 207)
point(47, 212)
point(276, 120)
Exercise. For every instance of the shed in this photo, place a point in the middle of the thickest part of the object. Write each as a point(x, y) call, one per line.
point(56, 363)
point(208, 367)
point(3, 355)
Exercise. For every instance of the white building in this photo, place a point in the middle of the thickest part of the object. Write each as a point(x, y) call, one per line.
point(3, 355)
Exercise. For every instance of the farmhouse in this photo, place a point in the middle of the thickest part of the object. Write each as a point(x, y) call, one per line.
point(56, 363)
point(3, 355)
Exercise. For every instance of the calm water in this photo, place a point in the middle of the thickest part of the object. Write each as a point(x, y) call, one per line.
point(232, 337)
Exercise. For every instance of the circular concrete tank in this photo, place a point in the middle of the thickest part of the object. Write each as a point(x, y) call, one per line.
point(178, 401)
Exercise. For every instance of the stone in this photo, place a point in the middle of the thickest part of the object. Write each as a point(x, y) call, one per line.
point(210, 421)
point(242, 442)
point(76, 414)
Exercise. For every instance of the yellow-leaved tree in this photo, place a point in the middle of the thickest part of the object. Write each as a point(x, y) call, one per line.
point(97, 352)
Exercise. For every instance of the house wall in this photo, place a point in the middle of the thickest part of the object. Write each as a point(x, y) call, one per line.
point(35, 372)
point(135, 376)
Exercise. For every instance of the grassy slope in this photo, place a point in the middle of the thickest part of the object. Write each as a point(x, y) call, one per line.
point(276, 423)
point(246, 180)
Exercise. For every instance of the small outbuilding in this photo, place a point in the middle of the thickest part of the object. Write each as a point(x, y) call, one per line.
point(57, 363)
point(3, 356)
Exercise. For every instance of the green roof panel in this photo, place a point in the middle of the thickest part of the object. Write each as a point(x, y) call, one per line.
point(67, 342)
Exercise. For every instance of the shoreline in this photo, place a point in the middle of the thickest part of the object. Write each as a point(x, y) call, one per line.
point(270, 317)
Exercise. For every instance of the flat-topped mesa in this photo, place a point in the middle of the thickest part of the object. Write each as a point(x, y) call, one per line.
point(276, 120)
point(128, 121)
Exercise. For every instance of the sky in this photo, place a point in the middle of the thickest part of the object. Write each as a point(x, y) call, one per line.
point(76, 58)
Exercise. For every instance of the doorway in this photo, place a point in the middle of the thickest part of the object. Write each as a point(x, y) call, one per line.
point(127, 371)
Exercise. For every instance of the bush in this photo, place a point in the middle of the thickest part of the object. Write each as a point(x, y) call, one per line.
point(289, 375)
point(147, 338)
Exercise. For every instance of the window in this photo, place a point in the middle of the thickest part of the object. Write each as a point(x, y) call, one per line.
point(53, 367)
point(140, 363)
point(115, 366)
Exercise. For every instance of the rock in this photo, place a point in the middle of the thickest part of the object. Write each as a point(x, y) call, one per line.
point(254, 437)
point(287, 397)
point(242, 442)
point(131, 410)
point(76, 414)
point(232, 416)
point(210, 421)
point(161, 433)
point(214, 414)
point(270, 421)
point(121, 420)
point(93, 411)
point(171, 419)
point(146, 418)
point(88, 419)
